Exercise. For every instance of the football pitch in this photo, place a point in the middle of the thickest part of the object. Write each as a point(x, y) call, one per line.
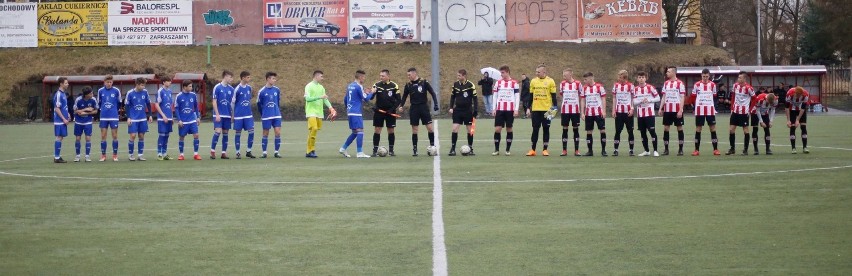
point(502, 215)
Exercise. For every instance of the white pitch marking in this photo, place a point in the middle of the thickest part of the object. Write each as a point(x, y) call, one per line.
point(439, 248)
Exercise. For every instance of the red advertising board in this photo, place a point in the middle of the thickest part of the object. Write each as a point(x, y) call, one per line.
point(536, 20)
point(286, 21)
point(621, 18)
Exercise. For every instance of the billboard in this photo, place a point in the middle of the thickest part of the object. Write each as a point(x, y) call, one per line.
point(536, 20)
point(287, 21)
point(227, 21)
point(621, 18)
point(150, 22)
point(72, 24)
point(465, 20)
point(18, 25)
point(383, 20)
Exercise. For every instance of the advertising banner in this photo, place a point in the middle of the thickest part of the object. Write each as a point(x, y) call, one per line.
point(72, 24)
point(537, 20)
point(465, 20)
point(383, 20)
point(18, 25)
point(621, 18)
point(150, 22)
point(227, 21)
point(287, 21)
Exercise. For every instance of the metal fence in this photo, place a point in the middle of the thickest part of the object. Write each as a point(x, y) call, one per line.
point(837, 82)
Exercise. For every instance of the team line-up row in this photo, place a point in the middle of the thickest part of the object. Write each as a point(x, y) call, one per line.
point(581, 101)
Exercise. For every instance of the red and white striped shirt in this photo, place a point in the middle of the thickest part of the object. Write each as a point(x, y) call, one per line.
point(705, 93)
point(594, 97)
point(506, 96)
point(797, 103)
point(622, 97)
point(673, 93)
point(761, 105)
point(571, 96)
point(641, 93)
point(741, 96)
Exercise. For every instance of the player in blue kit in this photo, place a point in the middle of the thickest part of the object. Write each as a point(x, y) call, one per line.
point(223, 97)
point(268, 100)
point(163, 104)
point(188, 114)
point(60, 118)
point(137, 103)
point(243, 117)
point(355, 97)
point(109, 101)
point(84, 108)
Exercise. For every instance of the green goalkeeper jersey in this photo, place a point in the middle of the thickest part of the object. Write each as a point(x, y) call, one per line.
point(314, 101)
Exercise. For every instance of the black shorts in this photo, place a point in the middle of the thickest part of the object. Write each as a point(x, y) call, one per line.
point(646, 123)
point(420, 114)
point(755, 122)
point(670, 118)
point(591, 120)
point(382, 120)
point(538, 119)
point(571, 119)
point(794, 113)
point(740, 120)
point(504, 118)
point(710, 119)
point(622, 120)
point(462, 117)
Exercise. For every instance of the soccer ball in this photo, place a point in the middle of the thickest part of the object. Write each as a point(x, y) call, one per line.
point(465, 150)
point(382, 152)
point(432, 151)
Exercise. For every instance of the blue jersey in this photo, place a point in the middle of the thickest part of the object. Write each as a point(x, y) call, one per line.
point(267, 102)
point(82, 103)
point(186, 105)
point(223, 96)
point(242, 102)
point(354, 99)
point(136, 104)
point(61, 102)
point(108, 101)
point(164, 102)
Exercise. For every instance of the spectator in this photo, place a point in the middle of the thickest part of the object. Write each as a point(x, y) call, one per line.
point(526, 96)
point(723, 101)
point(487, 84)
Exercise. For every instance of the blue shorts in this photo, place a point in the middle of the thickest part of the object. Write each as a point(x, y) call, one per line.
point(270, 123)
point(80, 129)
point(60, 130)
point(109, 124)
point(188, 129)
point(244, 124)
point(163, 127)
point(356, 122)
point(138, 127)
point(225, 123)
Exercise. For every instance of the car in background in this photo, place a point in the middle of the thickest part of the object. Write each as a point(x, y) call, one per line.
point(316, 25)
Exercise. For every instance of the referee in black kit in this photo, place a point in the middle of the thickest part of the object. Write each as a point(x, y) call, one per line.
point(419, 110)
point(387, 100)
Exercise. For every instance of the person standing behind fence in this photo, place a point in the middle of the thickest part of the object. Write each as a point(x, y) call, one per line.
point(487, 84)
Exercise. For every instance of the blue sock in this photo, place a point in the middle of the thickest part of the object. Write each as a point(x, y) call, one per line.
point(141, 146)
point(225, 143)
point(165, 143)
point(103, 147)
point(160, 144)
point(237, 141)
point(77, 147)
point(360, 141)
point(57, 147)
point(263, 142)
point(250, 141)
point(277, 143)
point(195, 143)
point(114, 147)
point(180, 146)
point(215, 140)
point(88, 147)
point(349, 140)
point(130, 147)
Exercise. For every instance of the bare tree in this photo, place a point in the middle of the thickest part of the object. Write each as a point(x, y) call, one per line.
point(679, 14)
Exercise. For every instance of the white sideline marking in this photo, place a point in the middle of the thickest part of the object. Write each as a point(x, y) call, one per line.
point(439, 248)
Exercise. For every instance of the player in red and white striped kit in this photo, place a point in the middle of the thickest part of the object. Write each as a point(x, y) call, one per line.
point(797, 116)
point(570, 89)
point(622, 110)
point(505, 108)
point(705, 110)
point(644, 97)
point(762, 114)
point(674, 94)
point(593, 104)
point(741, 95)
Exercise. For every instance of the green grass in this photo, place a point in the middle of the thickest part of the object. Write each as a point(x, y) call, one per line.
point(503, 215)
